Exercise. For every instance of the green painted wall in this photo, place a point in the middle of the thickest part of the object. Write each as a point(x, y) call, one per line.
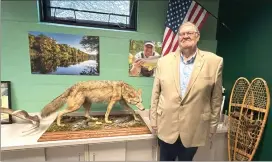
point(32, 92)
point(247, 51)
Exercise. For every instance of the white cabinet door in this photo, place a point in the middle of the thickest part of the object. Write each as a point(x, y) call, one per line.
point(141, 150)
point(218, 151)
point(25, 155)
point(115, 151)
point(221, 151)
point(65, 153)
point(204, 153)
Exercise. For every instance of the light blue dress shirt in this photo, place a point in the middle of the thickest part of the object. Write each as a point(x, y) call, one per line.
point(185, 69)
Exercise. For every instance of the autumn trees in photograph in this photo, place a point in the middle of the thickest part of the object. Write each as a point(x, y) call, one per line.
point(63, 54)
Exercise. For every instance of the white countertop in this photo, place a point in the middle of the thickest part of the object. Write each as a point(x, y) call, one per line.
point(12, 136)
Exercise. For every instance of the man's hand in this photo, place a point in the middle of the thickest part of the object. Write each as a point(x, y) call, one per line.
point(154, 128)
point(211, 135)
point(138, 62)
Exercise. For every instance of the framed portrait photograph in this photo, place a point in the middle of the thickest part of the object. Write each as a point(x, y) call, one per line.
point(5, 102)
point(143, 57)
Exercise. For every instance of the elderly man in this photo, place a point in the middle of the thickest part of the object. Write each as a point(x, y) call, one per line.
point(186, 97)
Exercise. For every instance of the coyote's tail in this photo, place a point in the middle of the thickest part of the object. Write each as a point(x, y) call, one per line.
point(54, 105)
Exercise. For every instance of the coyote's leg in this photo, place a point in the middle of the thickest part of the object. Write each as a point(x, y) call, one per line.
point(63, 112)
point(87, 106)
point(116, 95)
point(127, 107)
point(73, 104)
point(110, 105)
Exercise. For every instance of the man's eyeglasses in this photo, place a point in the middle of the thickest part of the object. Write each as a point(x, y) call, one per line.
point(187, 33)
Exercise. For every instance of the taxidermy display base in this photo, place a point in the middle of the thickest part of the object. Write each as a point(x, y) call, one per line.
point(78, 127)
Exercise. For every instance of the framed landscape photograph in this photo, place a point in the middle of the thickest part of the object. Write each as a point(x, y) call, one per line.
point(5, 101)
point(63, 54)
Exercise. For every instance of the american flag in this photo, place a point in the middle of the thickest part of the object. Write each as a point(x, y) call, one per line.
point(180, 11)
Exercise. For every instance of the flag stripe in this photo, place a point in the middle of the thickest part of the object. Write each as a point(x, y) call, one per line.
point(181, 11)
point(201, 16)
point(195, 13)
point(194, 6)
point(197, 18)
point(168, 41)
point(171, 42)
point(203, 21)
point(174, 43)
point(167, 34)
point(176, 46)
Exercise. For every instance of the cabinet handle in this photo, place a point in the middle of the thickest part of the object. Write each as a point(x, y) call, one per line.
point(78, 156)
point(93, 156)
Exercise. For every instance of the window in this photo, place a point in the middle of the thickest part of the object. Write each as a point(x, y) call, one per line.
point(117, 14)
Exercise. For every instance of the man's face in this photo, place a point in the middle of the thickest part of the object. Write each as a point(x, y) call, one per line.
point(148, 50)
point(188, 37)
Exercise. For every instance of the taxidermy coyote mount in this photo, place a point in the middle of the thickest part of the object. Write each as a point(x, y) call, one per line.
point(95, 91)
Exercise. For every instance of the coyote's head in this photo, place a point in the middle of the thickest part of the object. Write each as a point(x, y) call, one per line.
point(132, 96)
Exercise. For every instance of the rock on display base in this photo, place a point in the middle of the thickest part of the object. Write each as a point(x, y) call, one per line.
point(78, 127)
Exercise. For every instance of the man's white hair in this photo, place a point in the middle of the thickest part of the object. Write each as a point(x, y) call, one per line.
point(188, 23)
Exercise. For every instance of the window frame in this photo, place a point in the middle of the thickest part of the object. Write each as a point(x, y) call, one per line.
point(46, 12)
